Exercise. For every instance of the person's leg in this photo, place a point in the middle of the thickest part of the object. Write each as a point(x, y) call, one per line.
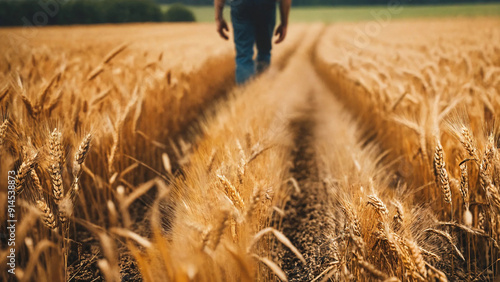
point(244, 39)
point(264, 23)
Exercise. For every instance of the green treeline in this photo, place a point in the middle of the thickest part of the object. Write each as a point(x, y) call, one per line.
point(345, 2)
point(385, 2)
point(62, 12)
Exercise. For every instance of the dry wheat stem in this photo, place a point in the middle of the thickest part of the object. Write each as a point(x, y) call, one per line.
point(430, 254)
point(273, 267)
point(372, 270)
point(216, 235)
point(435, 273)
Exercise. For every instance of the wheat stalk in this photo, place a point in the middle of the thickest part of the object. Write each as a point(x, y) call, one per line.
point(36, 182)
point(493, 198)
point(3, 131)
point(216, 235)
point(442, 178)
point(399, 216)
point(231, 192)
point(417, 257)
point(23, 172)
point(430, 254)
point(81, 154)
point(447, 238)
point(54, 102)
point(100, 68)
point(113, 53)
point(65, 208)
point(468, 143)
point(359, 243)
point(273, 267)
point(29, 106)
point(438, 159)
point(481, 221)
point(402, 250)
point(353, 220)
point(242, 161)
point(379, 206)
point(464, 183)
point(114, 147)
point(281, 237)
point(490, 149)
point(45, 91)
point(166, 163)
point(496, 168)
point(55, 165)
point(485, 168)
point(436, 274)
point(5, 91)
point(254, 201)
point(100, 97)
point(372, 270)
point(48, 217)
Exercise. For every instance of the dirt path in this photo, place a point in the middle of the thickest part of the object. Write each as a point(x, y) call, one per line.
point(312, 216)
point(306, 222)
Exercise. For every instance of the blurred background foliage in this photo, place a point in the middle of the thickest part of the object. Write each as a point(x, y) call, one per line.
point(44, 12)
point(64, 12)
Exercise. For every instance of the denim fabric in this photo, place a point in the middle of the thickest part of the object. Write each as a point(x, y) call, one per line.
point(253, 24)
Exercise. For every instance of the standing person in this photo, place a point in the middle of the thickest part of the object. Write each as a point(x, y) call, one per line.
point(253, 24)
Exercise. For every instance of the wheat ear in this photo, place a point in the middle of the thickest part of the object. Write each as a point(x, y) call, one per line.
point(378, 204)
point(48, 217)
point(231, 192)
point(3, 131)
point(81, 154)
point(442, 178)
point(464, 183)
point(23, 172)
point(417, 257)
point(56, 163)
point(399, 216)
point(493, 198)
point(468, 143)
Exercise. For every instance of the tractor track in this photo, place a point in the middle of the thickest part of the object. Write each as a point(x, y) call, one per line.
point(307, 220)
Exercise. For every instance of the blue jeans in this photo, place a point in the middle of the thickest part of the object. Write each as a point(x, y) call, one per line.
point(253, 24)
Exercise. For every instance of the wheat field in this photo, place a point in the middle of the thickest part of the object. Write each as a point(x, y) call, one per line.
point(136, 158)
